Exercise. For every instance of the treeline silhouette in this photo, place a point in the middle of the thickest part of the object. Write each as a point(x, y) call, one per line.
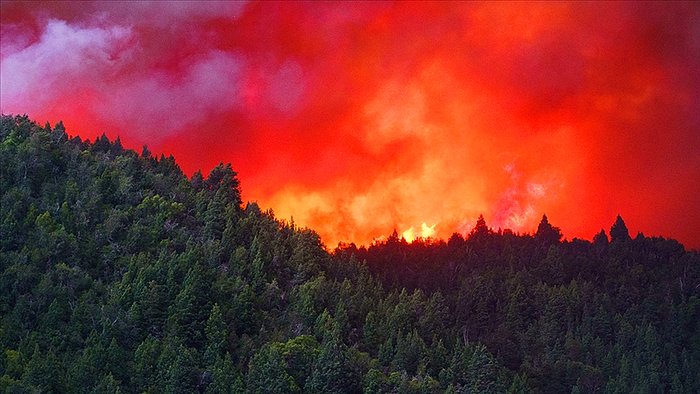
point(616, 314)
point(120, 274)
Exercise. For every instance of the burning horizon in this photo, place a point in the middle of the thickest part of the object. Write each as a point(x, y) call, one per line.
point(357, 119)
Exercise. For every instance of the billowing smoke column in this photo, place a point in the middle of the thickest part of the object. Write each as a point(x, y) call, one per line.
point(360, 118)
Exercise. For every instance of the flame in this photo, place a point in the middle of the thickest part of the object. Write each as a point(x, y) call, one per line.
point(396, 114)
point(408, 235)
point(425, 233)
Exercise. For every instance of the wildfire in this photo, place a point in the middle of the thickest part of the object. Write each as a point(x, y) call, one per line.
point(396, 114)
point(426, 232)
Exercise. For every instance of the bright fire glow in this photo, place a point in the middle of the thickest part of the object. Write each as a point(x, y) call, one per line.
point(359, 118)
point(425, 233)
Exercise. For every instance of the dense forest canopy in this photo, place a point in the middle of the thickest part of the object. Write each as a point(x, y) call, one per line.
point(120, 274)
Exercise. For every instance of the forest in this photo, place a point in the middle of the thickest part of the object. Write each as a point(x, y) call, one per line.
point(120, 274)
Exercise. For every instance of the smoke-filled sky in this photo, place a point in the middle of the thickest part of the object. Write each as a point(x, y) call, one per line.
point(359, 118)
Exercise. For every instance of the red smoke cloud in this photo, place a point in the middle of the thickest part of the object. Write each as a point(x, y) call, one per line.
point(358, 118)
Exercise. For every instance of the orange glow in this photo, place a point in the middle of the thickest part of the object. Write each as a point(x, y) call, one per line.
point(408, 235)
point(426, 232)
point(357, 119)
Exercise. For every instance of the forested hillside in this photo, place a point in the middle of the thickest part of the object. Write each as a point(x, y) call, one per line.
point(120, 274)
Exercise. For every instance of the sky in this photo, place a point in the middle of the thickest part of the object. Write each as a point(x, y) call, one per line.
point(359, 118)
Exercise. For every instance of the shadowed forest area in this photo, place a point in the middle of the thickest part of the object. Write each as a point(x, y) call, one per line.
point(118, 273)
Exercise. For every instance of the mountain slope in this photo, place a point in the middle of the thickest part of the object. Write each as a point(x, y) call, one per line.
point(118, 273)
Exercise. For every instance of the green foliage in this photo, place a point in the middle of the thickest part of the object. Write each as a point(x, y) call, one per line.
point(300, 354)
point(120, 274)
point(225, 378)
point(268, 374)
point(107, 385)
point(331, 373)
point(375, 382)
point(44, 372)
point(372, 331)
point(411, 352)
point(145, 365)
point(217, 336)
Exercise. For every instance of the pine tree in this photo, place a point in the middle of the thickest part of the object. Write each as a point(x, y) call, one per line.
point(331, 373)
point(410, 352)
point(181, 376)
point(224, 377)
point(267, 373)
point(217, 336)
point(374, 382)
point(371, 331)
point(546, 233)
point(439, 357)
point(618, 231)
point(44, 372)
point(145, 365)
point(188, 314)
point(480, 230)
point(386, 352)
point(300, 354)
point(116, 363)
point(519, 385)
point(482, 375)
point(107, 385)
point(341, 318)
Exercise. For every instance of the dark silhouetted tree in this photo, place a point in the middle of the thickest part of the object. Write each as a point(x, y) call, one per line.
point(118, 273)
point(618, 231)
point(546, 233)
point(480, 230)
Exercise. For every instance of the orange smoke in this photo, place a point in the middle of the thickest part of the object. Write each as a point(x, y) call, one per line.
point(357, 119)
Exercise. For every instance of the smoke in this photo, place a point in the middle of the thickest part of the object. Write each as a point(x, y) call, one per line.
point(42, 70)
point(359, 118)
